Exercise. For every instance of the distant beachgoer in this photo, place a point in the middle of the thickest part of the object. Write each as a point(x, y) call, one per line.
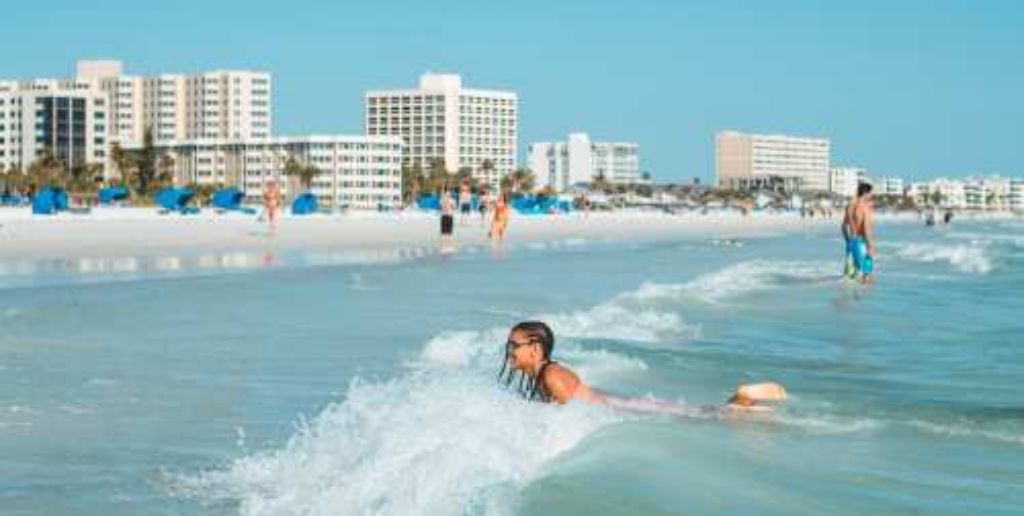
point(465, 202)
point(272, 204)
point(499, 223)
point(485, 204)
point(528, 365)
point(447, 218)
point(857, 229)
point(947, 217)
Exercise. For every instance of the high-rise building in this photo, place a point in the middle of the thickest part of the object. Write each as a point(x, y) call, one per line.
point(844, 180)
point(442, 120)
point(214, 104)
point(752, 161)
point(577, 161)
point(361, 172)
point(70, 124)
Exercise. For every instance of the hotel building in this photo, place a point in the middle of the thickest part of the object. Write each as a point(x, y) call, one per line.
point(754, 161)
point(442, 120)
point(577, 161)
point(844, 180)
point(72, 124)
point(361, 172)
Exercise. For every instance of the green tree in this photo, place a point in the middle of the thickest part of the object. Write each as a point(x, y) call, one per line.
point(412, 182)
point(438, 177)
point(165, 166)
point(47, 170)
point(305, 173)
point(120, 159)
point(600, 183)
point(523, 180)
point(144, 162)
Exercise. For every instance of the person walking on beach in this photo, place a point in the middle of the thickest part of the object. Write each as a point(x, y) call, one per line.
point(485, 204)
point(857, 229)
point(465, 202)
point(447, 220)
point(499, 223)
point(271, 204)
point(529, 367)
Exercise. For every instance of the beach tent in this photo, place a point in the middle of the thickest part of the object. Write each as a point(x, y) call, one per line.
point(228, 199)
point(112, 194)
point(537, 205)
point(176, 199)
point(49, 201)
point(429, 202)
point(13, 200)
point(304, 204)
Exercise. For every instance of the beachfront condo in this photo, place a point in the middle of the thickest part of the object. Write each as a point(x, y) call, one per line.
point(751, 161)
point(36, 119)
point(440, 120)
point(579, 161)
point(844, 180)
point(359, 172)
point(212, 104)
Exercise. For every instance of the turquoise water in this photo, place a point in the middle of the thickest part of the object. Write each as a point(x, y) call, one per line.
point(363, 382)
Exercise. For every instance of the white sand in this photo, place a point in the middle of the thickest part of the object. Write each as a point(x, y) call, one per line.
point(143, 232)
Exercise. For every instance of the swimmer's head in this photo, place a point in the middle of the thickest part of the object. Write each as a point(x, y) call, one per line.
point(863, 189)
point(528, 347)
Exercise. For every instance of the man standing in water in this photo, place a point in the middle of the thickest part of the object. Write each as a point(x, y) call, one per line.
point(857, 230)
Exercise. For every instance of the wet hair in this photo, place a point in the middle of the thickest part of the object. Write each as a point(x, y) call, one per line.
point(863, 189)
point(528, 385)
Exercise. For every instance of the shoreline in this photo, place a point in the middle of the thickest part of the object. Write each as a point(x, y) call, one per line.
point(143, 232)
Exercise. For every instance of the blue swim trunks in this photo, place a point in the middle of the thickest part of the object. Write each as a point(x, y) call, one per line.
point(857, 258)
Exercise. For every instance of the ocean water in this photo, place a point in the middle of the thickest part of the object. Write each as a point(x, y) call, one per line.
point(364, 382)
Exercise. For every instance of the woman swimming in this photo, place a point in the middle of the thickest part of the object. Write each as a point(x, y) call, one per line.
point(529, 368)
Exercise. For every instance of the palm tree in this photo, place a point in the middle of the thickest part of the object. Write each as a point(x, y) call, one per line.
point(120, 159)
point(166, 167)
point(438, 176)
point(524, 179)
point(46, 170)
point(412, 182)
point(304, 173)
point(600, 183)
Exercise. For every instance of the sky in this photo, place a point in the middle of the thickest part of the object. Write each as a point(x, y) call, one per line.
point(910, 88)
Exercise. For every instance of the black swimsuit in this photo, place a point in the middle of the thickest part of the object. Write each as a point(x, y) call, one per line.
point(542, 390)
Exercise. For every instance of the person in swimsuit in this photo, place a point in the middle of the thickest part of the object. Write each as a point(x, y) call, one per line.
point(447, 218)
point(271, 204)
point(500, 221)
point(485, 201)
point(857, 229)
point(529, 368)
point(465, 202)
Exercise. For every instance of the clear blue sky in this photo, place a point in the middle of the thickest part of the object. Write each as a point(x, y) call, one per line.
point(913, 88)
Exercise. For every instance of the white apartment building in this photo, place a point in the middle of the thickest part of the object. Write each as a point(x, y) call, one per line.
point(1015, 198)
point(442, 120)
point(889, 186)
point(361, 172)
point(214, 104)
point(751, 161)
point(987, 193)
point(578, 160)
point(844, 180)
point(72, 124)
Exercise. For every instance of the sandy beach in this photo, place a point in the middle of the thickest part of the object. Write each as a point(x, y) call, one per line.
point(144, 232)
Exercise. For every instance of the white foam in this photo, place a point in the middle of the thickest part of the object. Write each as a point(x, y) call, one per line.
point(968, 430)
point(739, 279)
point(428, 443)
point(971, 258)
point(617, 320)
